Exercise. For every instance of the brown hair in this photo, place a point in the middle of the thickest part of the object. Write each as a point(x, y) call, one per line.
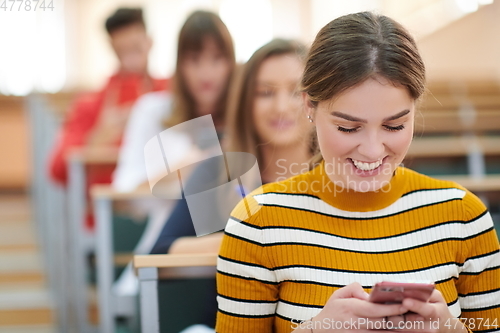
point(124, 17)
point(199, 26)
point(241, 135)
point(355, 47)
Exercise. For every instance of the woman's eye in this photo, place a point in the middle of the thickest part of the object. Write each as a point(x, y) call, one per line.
point(394, 128)
point(264, 93)
point(347, 130)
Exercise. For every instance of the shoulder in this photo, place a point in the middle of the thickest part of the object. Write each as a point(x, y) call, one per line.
point(156, 99)
point(152, 106)
point(471, 205)
point(252, 208)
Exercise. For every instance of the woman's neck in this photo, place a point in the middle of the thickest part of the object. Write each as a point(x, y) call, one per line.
point(280, 163)
point(204, 109)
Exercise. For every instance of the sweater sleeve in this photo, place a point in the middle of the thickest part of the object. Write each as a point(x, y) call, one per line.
point(478, 284)
point(246, 284)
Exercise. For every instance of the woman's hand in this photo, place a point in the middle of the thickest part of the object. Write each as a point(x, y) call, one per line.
point(431, 316)
point(349, 309)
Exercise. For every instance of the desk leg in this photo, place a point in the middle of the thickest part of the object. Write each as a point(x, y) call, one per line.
point(150, 319)
point(79, 244)
point(104, 255)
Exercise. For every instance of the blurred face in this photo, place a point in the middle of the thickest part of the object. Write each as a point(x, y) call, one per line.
point(364, 133)
point(277, 105)
point(131, 45)
point(206, 74)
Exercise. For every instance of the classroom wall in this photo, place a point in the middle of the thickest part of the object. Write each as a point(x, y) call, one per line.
point(14, 144)
point(467, 49)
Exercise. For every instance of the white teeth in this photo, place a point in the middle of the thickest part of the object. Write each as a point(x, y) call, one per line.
point(366, 166)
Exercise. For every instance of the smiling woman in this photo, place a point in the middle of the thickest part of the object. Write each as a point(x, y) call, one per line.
point(368, 136)
point(320, 240)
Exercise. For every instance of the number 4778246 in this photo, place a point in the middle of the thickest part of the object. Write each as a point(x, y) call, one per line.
point(26, 5)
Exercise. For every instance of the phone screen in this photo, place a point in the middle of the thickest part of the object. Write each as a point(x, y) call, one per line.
point(394, 292)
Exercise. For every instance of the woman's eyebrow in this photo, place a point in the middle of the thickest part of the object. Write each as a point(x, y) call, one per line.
point(359, 120)
point(397, 115)
point(348, 117)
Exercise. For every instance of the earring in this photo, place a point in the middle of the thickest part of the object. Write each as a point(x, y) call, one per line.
point(310, 119)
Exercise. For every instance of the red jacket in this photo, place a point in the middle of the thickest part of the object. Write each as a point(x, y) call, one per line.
point(82, 117)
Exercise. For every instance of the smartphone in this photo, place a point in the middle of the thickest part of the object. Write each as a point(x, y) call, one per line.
point(394, 292)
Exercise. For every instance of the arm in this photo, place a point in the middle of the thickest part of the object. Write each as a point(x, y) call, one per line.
point(144, 123)
point(120, 95)
point(179, 234)
point(479, 281)
point(246, 285)
point(73, 133)
point(178, 225)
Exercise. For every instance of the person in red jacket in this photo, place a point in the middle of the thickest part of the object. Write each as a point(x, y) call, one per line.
point(98, 119)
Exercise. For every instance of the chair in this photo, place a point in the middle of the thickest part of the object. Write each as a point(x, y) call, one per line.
point(111, 303)
point(154, 268)
point(81, 241)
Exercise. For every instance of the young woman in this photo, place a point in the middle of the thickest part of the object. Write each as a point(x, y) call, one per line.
point(205, 61)
point(265, 119)
point(322, 239)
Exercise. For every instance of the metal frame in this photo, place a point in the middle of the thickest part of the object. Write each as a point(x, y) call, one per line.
point(81, 242)
point(112, 305)
point(150, 316)
point(49, 203)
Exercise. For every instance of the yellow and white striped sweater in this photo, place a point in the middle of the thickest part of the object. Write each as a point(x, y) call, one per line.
point(305, 238)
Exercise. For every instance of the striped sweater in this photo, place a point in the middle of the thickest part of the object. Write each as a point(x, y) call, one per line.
point(289, 245)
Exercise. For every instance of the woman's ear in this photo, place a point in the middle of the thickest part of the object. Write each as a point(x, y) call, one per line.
point(308, 107)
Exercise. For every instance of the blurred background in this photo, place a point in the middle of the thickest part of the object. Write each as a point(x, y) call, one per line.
point(49, 56)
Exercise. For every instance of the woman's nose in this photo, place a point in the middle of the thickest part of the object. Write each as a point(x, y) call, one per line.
point(372, 147)
point(282, 101)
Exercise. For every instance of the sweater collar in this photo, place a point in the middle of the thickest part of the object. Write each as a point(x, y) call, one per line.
point(350, 200)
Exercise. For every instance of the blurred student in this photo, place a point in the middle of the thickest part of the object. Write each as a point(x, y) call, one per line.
point(98, 119)
point(264, 119)
point(205, 62)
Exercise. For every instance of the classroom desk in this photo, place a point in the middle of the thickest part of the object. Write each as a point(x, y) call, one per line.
point(151, 268)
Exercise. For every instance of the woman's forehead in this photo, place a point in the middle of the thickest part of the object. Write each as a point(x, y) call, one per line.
point(371, 98)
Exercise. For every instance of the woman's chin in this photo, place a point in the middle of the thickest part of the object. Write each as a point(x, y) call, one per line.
point(369, 184)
